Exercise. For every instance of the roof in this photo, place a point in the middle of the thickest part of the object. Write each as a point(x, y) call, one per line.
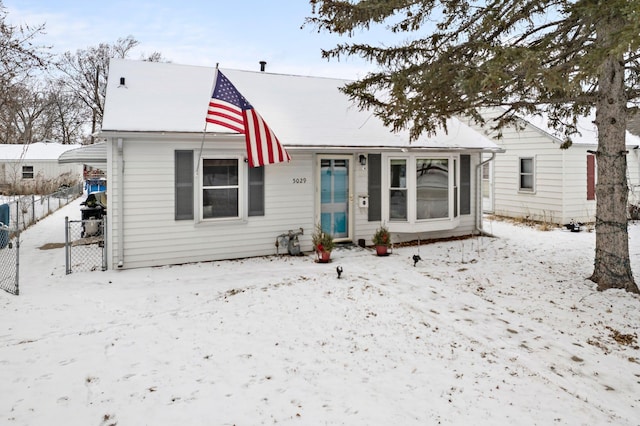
point(94, 155)
point(302, 111)
point(587, 130)
point(34, 151)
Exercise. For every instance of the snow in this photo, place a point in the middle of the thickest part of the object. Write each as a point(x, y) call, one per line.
point(35, 151)
point(482, 331)
point(303, 111)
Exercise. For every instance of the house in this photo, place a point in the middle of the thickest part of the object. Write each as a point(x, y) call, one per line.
point(182, 192)
point(537, 180)
point(34, 168)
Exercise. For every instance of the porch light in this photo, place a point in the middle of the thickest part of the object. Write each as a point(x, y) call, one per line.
point(363, 159)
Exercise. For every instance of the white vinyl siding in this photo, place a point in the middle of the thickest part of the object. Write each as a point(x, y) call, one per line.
point(560, 178)
point(153, 237)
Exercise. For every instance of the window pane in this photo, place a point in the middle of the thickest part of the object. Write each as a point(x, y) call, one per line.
point(526, 182)
point(398, 174)
point(398, 204)
point(432, 188)
point(526, 165)
point(220, 172)
point(218, 203)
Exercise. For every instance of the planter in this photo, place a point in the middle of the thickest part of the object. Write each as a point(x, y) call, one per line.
point(382, 250)
point(324, 256)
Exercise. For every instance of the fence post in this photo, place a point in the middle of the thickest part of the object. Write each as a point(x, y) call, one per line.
point(104, 242)
point(67, 247)
point(17, 262)
point(33, 209)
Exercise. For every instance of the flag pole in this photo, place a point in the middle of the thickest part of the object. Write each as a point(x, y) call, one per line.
point(204, 131)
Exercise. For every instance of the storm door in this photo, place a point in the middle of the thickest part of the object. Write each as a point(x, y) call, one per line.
point(335, 196)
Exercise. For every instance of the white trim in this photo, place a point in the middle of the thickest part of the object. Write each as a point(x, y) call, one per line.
point(241, 185)
point(412, 224)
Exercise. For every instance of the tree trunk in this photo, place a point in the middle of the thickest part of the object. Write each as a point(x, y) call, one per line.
point(612, 267)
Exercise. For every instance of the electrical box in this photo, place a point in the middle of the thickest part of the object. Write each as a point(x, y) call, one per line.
point(363, 201)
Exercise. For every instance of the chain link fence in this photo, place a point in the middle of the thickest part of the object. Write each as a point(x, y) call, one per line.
point(26, 210)
point(85, 248)
point(17, 213)
point(9, 259)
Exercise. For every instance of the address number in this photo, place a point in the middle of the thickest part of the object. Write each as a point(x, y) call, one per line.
point(300, 180)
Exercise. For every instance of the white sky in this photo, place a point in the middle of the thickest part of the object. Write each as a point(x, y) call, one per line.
point(236, 35)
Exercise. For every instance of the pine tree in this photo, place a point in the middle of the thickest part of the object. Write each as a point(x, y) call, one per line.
point(562, 58)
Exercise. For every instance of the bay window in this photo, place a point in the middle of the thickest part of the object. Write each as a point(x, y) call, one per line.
point(421, 189)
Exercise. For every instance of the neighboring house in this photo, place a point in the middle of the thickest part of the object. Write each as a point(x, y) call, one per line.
point(178, 194)
point(34, 168)
point(537, 180)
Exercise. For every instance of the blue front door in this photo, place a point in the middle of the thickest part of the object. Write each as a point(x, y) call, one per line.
point(334, 197)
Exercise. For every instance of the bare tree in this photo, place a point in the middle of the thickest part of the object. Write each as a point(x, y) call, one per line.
point(20, 59)
point(85, 73)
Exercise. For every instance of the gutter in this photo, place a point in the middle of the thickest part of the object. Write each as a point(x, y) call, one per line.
point(120, 166)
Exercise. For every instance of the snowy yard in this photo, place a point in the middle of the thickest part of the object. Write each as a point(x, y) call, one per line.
point(482, 331)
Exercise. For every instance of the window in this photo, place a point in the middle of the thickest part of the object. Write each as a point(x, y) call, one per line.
point(220, 188)
point(421, 189)
point(398, 190)
point(27, 172)
point(527, 176)
point(432, 188)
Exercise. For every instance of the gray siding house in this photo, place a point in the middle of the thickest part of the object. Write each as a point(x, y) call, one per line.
point(182, 192)
point(535, 179)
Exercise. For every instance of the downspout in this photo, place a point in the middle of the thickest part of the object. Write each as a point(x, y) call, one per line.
point(120, 204)
point(479, 194)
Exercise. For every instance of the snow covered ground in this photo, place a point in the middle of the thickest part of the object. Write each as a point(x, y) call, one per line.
point(483, 331)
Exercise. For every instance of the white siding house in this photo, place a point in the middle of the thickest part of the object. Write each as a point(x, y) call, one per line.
point(34, 167)
point(535, 179)
point(347, 171)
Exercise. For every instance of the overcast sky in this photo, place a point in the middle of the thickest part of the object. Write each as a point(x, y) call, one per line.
point(195, 32)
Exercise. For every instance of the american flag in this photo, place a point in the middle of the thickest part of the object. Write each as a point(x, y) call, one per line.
point(230, 109)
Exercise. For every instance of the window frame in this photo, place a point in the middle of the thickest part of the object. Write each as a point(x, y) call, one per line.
point(28, 174)
point(240, 186)
point(411, 223)
point(522, 174)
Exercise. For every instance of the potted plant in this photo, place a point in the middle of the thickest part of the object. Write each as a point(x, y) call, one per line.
point(382, 240)
point(322, 244)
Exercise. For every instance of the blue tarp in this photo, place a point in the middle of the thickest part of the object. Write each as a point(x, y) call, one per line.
point(5, 216)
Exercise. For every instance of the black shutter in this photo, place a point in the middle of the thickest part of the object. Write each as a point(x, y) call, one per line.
point(465, 184)
point(184, 185)
point(256, 191)
point(375, 187)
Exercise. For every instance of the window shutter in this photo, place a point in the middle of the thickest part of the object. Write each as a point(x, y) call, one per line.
point(183, 185)
point(256, 191)
point(465, 184)
point(591, 177)
point(375, 187)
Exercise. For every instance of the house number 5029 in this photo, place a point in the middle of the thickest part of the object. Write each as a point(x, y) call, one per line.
point(299, 180)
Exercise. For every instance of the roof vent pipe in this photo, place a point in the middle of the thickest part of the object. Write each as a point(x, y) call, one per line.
point(263, 64)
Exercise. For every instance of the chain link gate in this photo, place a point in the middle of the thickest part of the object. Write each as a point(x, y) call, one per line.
point(85, 245)
point(9, 259)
